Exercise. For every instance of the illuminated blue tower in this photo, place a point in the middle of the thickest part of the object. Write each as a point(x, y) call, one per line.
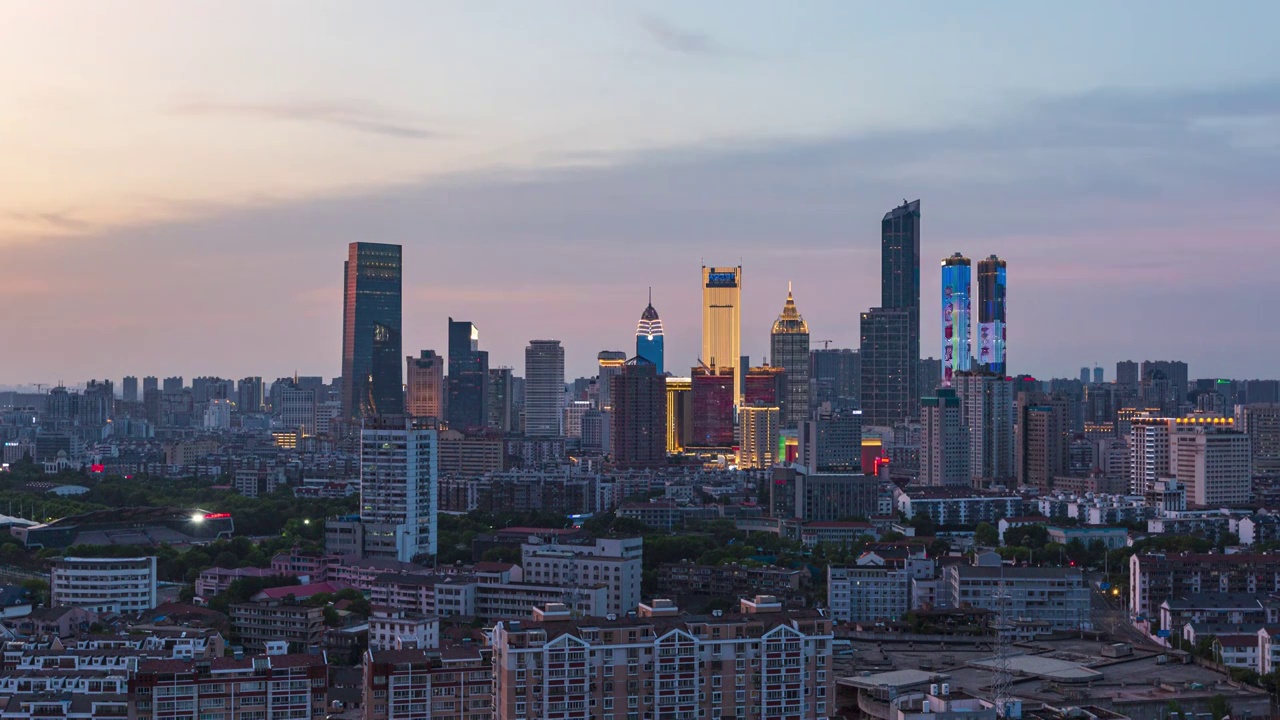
point(991, 318)
point(957, 276)
point(649, 336)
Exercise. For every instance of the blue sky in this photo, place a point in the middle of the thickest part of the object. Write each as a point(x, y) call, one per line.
point(181, 178)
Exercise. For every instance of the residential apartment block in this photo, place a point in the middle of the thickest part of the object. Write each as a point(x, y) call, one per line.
point(263, 687)
point(119, 585)
point(614, 562)
point(448, 684)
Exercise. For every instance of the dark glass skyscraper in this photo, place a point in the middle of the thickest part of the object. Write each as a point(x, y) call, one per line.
point(649, 336)
point(887, 367)
point(991, 318)
point(371, 347)
point(468, 378)
point(900, 283)
point(639, 416)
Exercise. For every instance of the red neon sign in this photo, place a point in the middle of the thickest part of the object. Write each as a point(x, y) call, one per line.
point(216, 516)
point(98, 468)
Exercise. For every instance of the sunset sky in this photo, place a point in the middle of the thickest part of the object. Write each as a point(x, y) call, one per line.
point(179, 180)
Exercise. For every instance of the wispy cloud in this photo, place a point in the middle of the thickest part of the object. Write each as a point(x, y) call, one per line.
point(63, 221)
point(363, 117)
point(680, 40)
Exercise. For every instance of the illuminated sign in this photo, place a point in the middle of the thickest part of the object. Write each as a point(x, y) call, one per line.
point(97, 468)
point(722, 279)
point(217, 516)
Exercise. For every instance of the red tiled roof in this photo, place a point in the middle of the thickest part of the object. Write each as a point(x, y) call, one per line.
point(303, 591)
point(493, 566)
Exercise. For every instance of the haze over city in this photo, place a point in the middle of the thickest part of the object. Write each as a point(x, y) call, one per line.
point(181, 180)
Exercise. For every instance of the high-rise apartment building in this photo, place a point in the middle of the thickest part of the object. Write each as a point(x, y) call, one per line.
point(1149, 459)
point(986, 403)
point(129, 388)
point(1097, 376)
point(759, 446)
point(1127, 375)
point(944, 442)
point(1213, 462)
point(789, 350)
point(424, 385)
point(836, 377)
point(468, 377)
point(609, 364)
point(679, 413)
point(957, 350)
point(712, 396)
point(722, 322)
point(831, 442)
point(543, 388)
point(900, 280)
point(249, 394)
point(248, 688)
point(1042, 436)
point(639, 416)
point(173, 385)
point(1261, 422)
point(888, 369)
point(371, 345)
point(649, 338)
point(501, 403)
point(150, 382)
point(760, 662)
point(991, 315)
point(399, 467)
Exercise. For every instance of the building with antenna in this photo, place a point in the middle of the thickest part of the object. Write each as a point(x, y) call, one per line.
point(722, 323)
point(649, 337)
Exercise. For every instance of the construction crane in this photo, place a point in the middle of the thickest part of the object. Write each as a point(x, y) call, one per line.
point(826, 344)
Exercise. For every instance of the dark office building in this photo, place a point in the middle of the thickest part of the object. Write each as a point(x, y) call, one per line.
point(712, 397)
point(371, 346)
point(639, 418)
point(836, 377)
point(130, 389)
point(900, 277)
point(888, 370)
point(766, 385)
point(500, 407)
point(468, 378)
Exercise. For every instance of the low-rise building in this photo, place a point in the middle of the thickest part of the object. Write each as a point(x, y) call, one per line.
point(957, 506)
point(732, 580)
point(1056, 596)
point(392, 629)
point(117, 585)
point(258, 623)
point(453, 683)
point(252, 688)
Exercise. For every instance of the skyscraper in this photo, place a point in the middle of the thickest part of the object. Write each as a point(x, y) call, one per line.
point(722, 322)
point(1127, 375)
point(1097, 376)
point(1043, 433)
point(1261, 423)
point(399, 466)
point(1213, 461)
point(544, 389)
point(991, 315)
point(639, 415)
point(712, 396)
point(957, 351)
point(944, 444)
point(129, 388)
point(150, 382)
point(501, 403)
point(649, 338)
point(249, 395)
point(986, 403)
point(765, 385)
point(900, 281)
point(837, 377)
point(610, 364)
point(1084, 376)
point(424, 385)
point(789, 350)
point(679, 413)
point(468, 377)
point(888, 370)
point(371, 346)
point(759, 447)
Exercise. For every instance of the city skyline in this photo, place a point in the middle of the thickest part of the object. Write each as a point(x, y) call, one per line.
point(1102, 185)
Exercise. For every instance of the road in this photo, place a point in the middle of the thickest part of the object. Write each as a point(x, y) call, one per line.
point(1112, 617)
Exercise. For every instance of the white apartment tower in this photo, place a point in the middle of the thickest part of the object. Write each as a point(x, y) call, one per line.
point(1214, 463)
point(944, 443)
point(399, 466)
point(544, 389)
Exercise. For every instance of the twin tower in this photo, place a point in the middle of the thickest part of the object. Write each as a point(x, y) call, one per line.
point(957, 278)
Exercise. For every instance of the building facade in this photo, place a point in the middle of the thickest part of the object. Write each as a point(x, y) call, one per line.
point(260, 687)
point(104, 585)
point(900, 280)
point(712, 396)
point(986, 403)
point(944, 441)
point(1261, 423)
point(468, 377)
point(758, 448)
point(1057, 596)
point(453, 683)
point(543, 388)
point(424, 385)
point(722, 322)
point(614, 562)
point(649, 337)
point(789, 350)
point(991, 316)
point(888, 370)
point(371, 344)
point(399, 470)
point(638, 420)
point(957, 277)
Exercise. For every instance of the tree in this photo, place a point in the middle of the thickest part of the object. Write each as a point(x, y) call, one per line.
point(502, 553)
point(1219, 707)
point(39, 590)
point(986, 534)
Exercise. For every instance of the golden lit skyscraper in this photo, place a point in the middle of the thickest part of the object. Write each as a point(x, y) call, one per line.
point(722, 321)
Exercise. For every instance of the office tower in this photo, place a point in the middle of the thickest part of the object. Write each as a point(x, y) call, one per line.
point(399, 466)
point(1164, 383)
point(468, 377)
point(836, 376)
point(501, 403)
point(649, 338)
point(722, 322)
point(150, 382)
point(1097, 376)
point(543, 388)
point(597, 435)
point(371, 346)
point(944, 444)
point(173, 385)
point(297, 408)
point(130, 389)
point(638, 417)
point(957, 350)
point(1042, 436)
point(888, 370)
point(712, 395)
point(928, 376)
point(831, 442)
point(1084, 376)
point(900, 279)
point(679, 414)
point(1213, 461)
point(610, 364)
point(573, 412)
point(1127, 374)
point(986, 403)
point(1261, 391)
point(1261, 423)
point(789, 350)
point(151, 404)
point(759, 446)
point(765, 385)
point(992, 331)
point(424, 385)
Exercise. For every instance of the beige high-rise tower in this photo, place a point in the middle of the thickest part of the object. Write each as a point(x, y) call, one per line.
point(722, 321)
